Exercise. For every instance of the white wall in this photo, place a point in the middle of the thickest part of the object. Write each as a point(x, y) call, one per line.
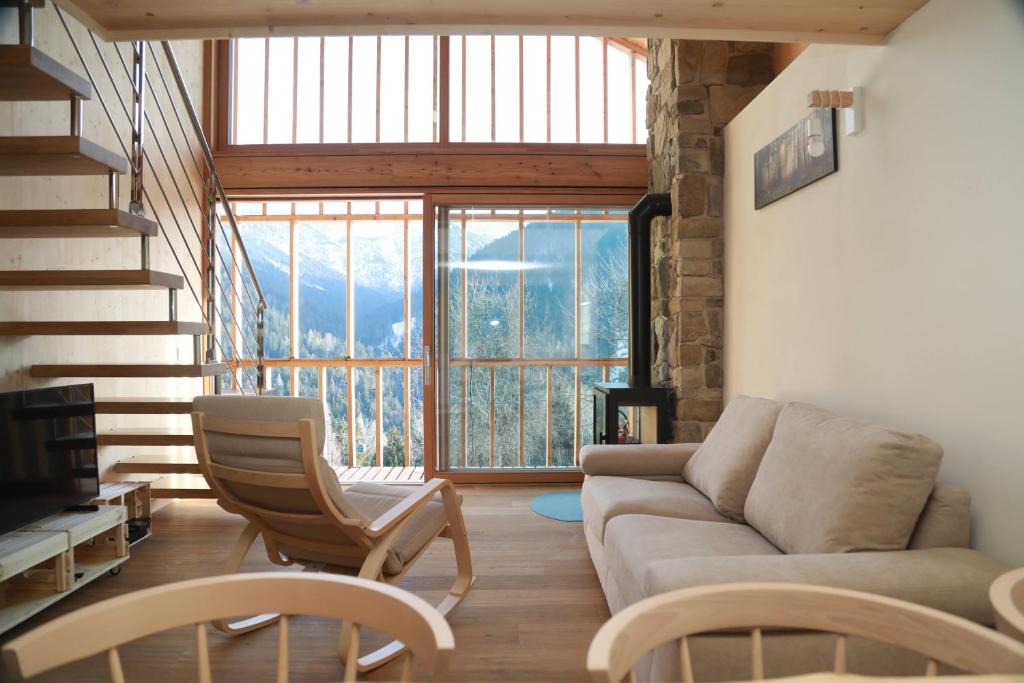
point(893, 290)
point(17, 354)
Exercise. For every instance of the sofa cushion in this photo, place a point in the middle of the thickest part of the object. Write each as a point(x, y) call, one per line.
point(723, 468)
point(633, 542)
point(606, 497)
point(945, 521)
point(831, 484)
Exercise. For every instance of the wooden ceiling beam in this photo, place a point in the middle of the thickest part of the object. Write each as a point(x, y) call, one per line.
point(780, 21)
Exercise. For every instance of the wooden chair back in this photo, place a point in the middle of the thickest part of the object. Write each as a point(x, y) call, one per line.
point(276, 480)
point(103, 627)
point(676, 616)
point(1007, 596)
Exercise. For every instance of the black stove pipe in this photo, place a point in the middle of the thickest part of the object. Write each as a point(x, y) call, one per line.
point(647, 209)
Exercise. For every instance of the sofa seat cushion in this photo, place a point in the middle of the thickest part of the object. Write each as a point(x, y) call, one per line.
point(723, 468)
point(832, 484)
point(606, 497)
point(632, 543)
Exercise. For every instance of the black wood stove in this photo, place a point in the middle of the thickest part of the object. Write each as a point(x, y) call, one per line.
point(636, 412)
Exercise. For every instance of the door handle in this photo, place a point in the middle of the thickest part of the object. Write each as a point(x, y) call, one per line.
point(426, 365)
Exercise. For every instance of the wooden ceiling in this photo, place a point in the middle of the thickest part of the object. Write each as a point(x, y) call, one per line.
point(786, 21)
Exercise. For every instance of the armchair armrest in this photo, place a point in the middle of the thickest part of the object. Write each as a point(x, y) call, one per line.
point(408, 506)
point(636, 460)
point(953, 580)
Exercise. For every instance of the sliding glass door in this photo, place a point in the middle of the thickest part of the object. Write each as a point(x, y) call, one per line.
point(530, 312)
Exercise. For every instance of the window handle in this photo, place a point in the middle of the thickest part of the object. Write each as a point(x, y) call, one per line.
point(426, 365)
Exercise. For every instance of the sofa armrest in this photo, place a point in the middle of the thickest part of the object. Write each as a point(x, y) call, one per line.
point(640, 460)
point(954, 580)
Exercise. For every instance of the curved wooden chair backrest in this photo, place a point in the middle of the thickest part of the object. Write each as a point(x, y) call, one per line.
point(674, 617)
point(1007, 596)
point(106, 625)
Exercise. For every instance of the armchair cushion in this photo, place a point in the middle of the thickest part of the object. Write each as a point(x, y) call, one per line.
point(641, 460)
point(945, 521)
point(604, 498)
point(831, 484)
point(723, 468)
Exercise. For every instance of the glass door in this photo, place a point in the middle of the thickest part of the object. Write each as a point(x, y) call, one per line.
point(531, 312)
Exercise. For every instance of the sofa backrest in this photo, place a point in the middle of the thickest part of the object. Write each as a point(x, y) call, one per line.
point(945, 521)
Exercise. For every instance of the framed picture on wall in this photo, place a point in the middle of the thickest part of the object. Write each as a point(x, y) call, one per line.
point(804, 153)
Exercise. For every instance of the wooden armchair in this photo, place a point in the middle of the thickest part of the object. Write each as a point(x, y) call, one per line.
point(262, 458)
point(104, 626)
point(675, 616)
point(1007, 596)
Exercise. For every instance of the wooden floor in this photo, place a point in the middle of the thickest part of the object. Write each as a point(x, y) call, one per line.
point(388, 475)
point(530, 617)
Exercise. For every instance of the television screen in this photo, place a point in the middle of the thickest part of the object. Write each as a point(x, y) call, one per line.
point(47, 453)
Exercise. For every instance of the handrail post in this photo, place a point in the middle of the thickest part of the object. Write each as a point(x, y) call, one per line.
point(26, 23)
point(211, 272)
point(138, 136)
point(261, 369)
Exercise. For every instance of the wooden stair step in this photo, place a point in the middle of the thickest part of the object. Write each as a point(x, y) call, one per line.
point(99, 327)
point(143, 406)
point(181, 486)
point(89, 279)
point(30, 75)
point(74, 223)
point(158, 464)
point(49, 155)
point(144, 437)
point(129, 370)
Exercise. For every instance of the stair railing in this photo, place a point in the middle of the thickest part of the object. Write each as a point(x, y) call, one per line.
point(231, 300)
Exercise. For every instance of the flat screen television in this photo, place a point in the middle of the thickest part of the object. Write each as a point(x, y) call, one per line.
point(47, 453)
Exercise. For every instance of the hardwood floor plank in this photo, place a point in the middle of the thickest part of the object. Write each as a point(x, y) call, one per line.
point(535, 607)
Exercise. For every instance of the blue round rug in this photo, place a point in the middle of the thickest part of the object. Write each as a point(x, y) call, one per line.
point(565, 507)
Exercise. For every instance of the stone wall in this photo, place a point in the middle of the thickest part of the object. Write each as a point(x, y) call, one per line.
point(696, 88)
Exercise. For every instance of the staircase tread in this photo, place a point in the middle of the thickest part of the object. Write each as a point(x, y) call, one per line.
point(148, 436)
point(74, 223)
point(28, 74)
point(181, 486)
point(54, 155)
point(89, 279)
point(158, 463)
point(128, 370)
point(144, 405)
point(101, 327)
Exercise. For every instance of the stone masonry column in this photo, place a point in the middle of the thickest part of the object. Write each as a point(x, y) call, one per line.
point(696, 88)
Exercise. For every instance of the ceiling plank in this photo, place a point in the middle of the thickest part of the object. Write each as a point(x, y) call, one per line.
point(789, 21)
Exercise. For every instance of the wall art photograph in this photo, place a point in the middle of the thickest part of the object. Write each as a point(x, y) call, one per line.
point(804, 153)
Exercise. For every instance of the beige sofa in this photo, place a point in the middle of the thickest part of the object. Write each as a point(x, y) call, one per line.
point(786, 493)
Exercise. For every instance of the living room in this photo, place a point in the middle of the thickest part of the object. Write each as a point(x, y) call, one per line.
point(639, 309)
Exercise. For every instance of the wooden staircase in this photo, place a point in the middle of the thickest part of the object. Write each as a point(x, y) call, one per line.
point(29, 75)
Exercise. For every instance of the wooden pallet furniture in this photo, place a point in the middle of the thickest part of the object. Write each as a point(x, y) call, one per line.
point(135, 496)
point(673, 618)
point(47, 560)
point(101, 628)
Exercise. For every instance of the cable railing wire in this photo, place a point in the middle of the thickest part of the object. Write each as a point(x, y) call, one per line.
point(106, 110)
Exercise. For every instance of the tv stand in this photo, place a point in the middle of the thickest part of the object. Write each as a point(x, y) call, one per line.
point(49, 559)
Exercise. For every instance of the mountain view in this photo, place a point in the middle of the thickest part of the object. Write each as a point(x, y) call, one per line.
point(492, 309)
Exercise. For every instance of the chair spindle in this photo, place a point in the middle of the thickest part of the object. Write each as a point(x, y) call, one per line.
point(352, 659)
point(406, 667)
point(114, 664)
point(840, 666)
point(756, 655)
point(685, 663)
point(933, 668)
point(282, 650)
point(202, 654)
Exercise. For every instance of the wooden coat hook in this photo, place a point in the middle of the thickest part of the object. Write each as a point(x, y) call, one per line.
point(836, 99)
point(850, 101)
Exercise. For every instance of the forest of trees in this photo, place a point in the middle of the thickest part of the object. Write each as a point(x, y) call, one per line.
point(492, 324)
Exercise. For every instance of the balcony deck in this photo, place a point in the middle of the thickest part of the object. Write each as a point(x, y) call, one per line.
point(385, 475)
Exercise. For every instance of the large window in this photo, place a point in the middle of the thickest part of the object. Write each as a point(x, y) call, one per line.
point(344, 290)
point(370, 89)
point(532, 308)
